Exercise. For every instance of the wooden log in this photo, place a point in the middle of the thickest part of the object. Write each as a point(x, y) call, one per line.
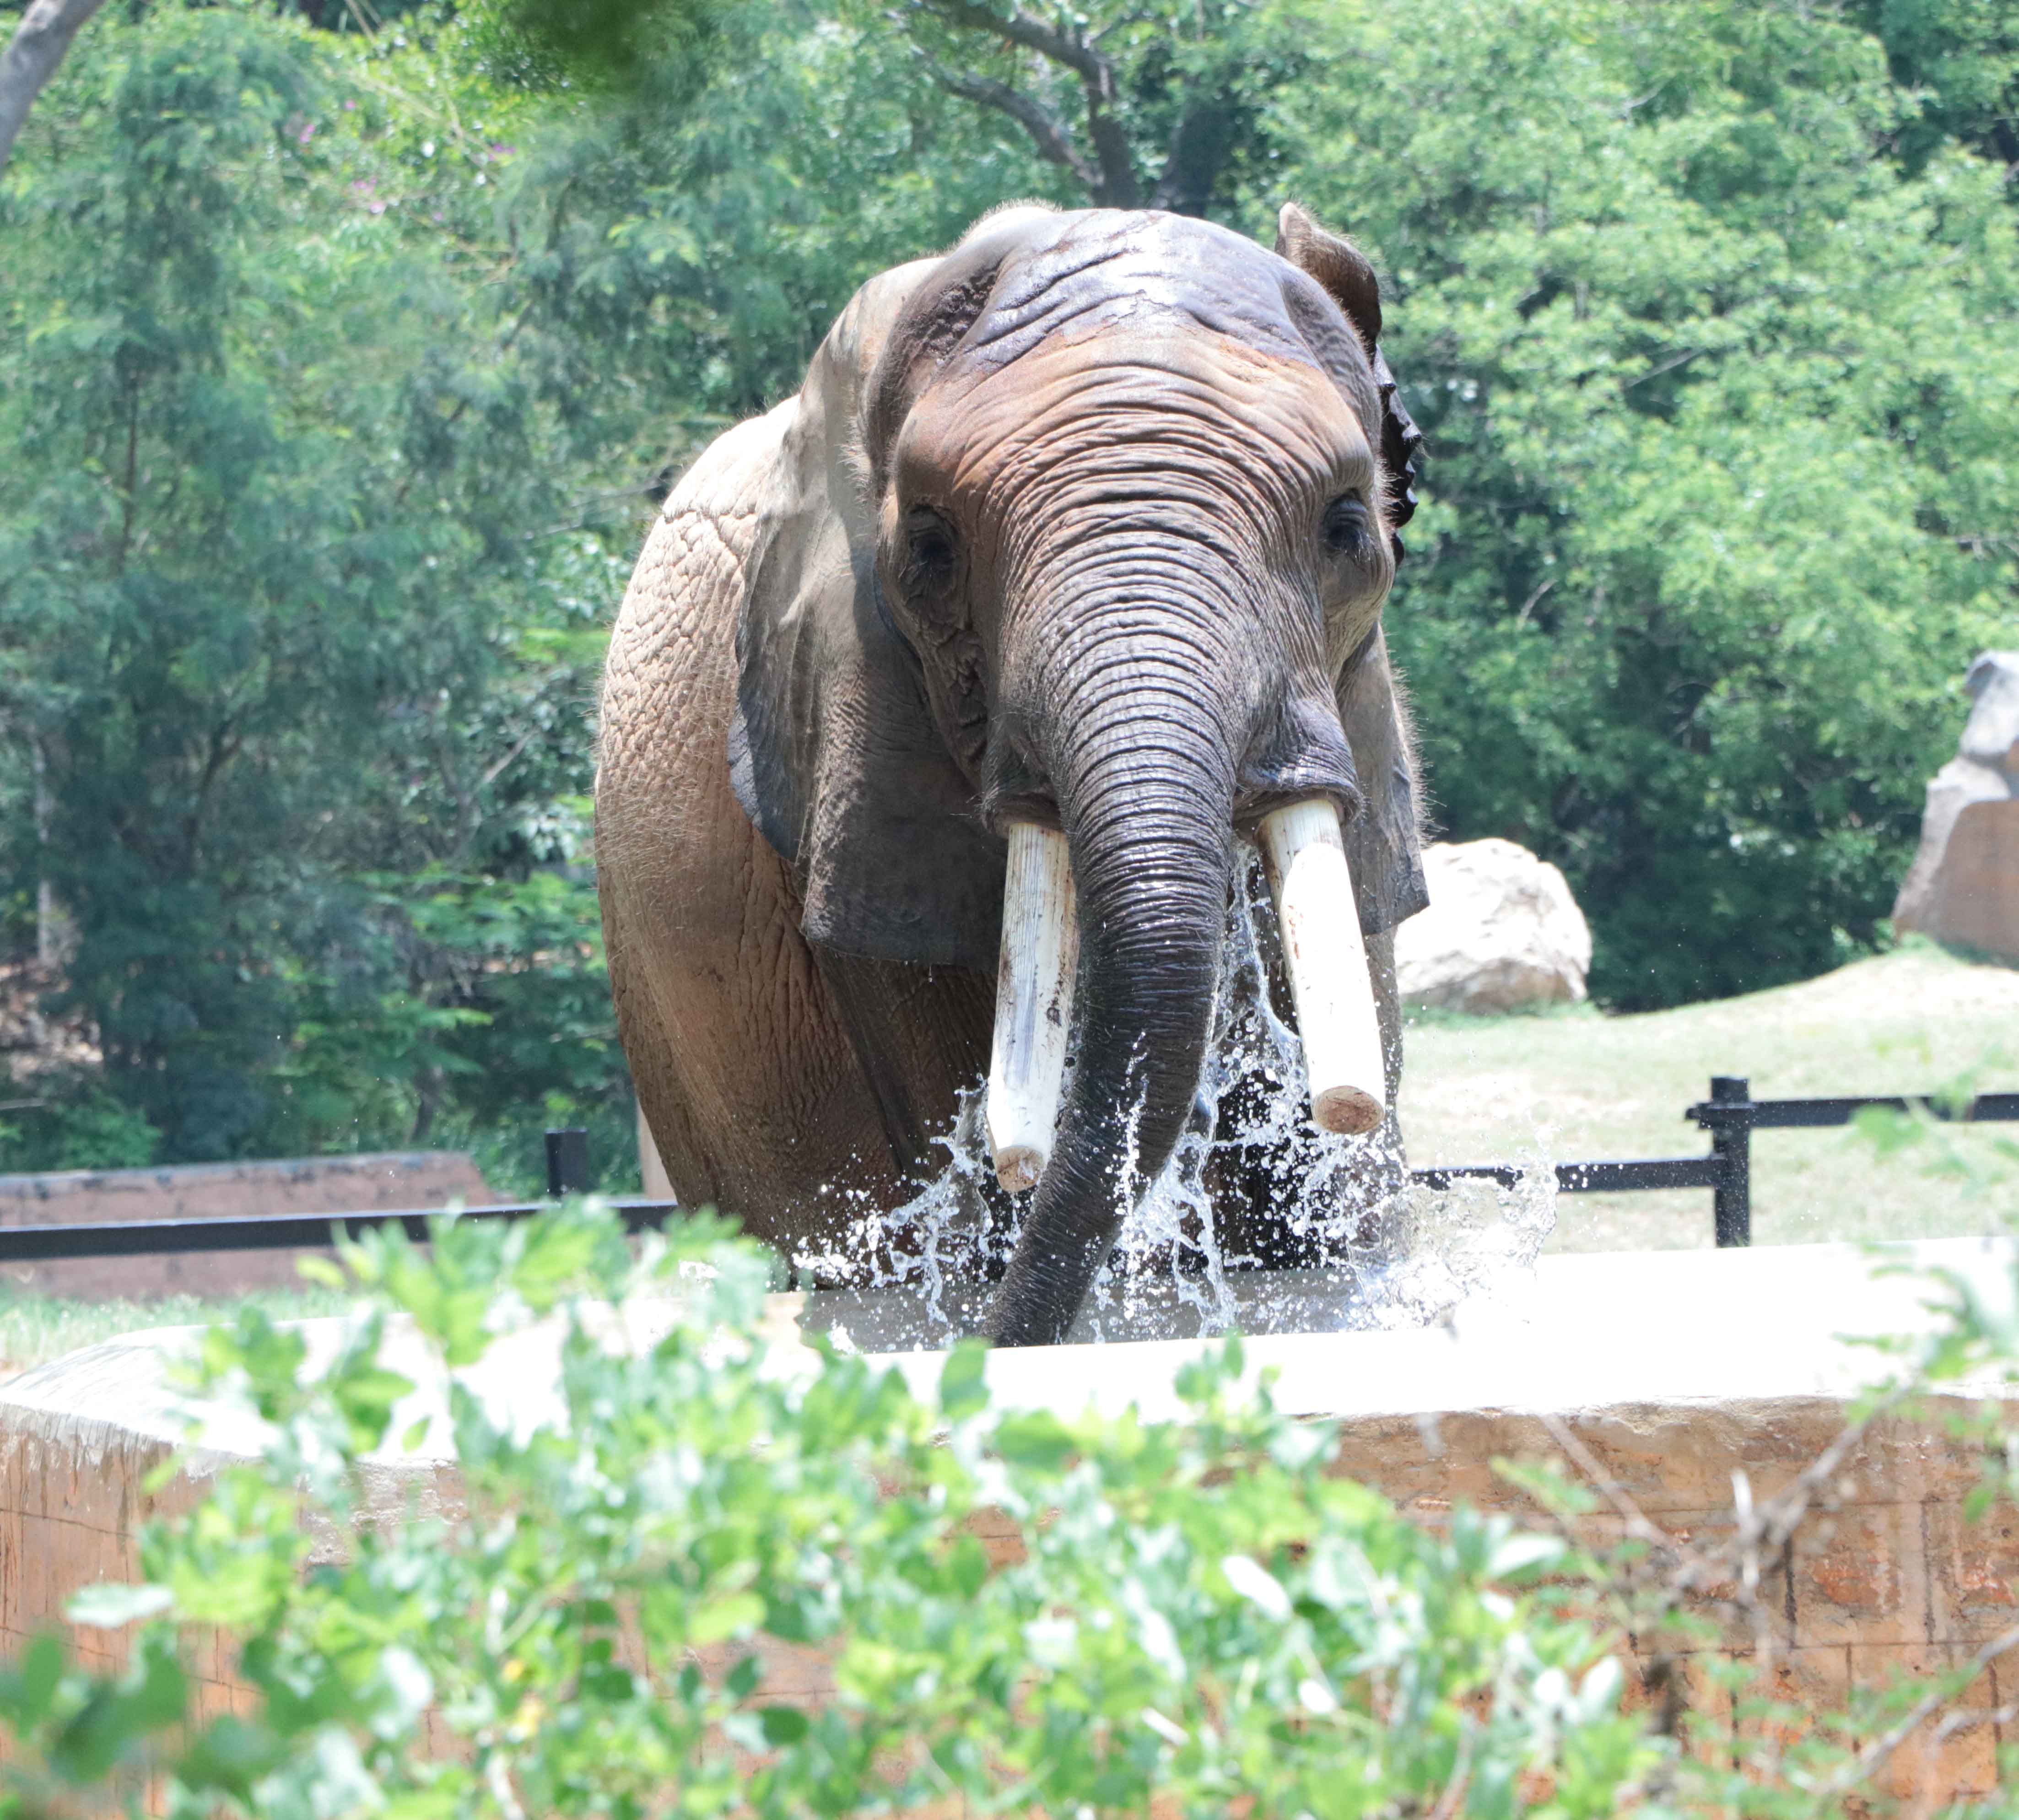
point(1305, 854)
point(1033, 995)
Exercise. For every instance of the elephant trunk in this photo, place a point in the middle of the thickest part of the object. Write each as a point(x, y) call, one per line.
point(1144, 771)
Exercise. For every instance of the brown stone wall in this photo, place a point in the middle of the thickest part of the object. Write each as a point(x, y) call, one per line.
point(335, 1184)
point(71, 1510)
point(1891, 1578)
point(71, 1513)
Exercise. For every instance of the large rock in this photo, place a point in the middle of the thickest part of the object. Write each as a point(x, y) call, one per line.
point(1964, 884)
point(1502, 932)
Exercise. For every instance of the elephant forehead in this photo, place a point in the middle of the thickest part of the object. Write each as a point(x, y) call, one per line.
point(1148, 388)
point(1099, 266)
point(1025, 301)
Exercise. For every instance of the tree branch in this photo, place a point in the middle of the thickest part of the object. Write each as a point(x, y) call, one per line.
point(1115, 185)
point(1021, 27)
point(1047, 131)
point(1197, 153)
point(38, 46)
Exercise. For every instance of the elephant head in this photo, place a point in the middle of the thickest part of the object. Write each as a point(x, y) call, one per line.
point(1089, 525)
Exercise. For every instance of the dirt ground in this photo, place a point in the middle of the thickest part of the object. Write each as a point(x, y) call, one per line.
point(1572, 1085)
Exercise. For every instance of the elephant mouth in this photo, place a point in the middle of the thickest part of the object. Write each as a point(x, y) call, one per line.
point(1317, 926)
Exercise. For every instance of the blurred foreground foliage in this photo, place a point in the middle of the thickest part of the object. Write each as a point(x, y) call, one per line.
point(343, 350)
point(655, 1547)
point(665, 1532)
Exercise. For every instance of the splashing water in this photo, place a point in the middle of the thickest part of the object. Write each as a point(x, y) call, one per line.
point(1364, 1246)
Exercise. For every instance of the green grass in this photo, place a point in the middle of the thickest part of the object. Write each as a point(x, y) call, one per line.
point(34, 1328)
point(1573, 1085)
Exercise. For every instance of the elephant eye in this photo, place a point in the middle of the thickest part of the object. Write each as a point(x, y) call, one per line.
point(1346, 525)
point(930, 552)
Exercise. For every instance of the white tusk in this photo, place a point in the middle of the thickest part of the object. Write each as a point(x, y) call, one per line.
point(1306, 856)
point(1033, 995)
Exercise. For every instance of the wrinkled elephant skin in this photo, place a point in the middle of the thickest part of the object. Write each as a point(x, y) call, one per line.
point(1087, 524)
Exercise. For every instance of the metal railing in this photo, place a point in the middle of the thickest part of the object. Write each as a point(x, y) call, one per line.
point(1730, 1115)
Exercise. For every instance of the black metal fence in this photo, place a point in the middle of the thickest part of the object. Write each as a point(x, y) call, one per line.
point(1730, 1115)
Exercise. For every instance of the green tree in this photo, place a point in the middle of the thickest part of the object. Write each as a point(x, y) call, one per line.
point(294, 591)
point(1961, 58)
point(1156, 107)
point(33, 51)
point(1720, 406)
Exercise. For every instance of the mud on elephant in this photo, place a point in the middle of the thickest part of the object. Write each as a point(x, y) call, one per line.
point(1085, 527)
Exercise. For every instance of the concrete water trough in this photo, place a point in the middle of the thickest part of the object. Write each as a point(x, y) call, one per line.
point(1669, 1372)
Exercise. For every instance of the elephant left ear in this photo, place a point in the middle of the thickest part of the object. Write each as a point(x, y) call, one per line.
point(831, 748)
point(1343, 270)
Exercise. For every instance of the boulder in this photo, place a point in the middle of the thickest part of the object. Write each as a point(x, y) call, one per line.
point(1963, 887)
point(1502, 932)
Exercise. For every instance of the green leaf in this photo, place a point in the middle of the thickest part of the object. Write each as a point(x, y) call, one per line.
point(963, 1380)
point(967, 1564)
point(723, 1617)
point(34, 1686)
point(1035, 1440)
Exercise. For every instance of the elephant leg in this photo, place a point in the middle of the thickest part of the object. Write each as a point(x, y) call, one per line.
point(743, 1071)
point(799, 1103)
point(654, 1071)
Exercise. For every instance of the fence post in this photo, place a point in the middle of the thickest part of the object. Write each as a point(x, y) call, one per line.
point(1732, 1145)
point(567, 1162)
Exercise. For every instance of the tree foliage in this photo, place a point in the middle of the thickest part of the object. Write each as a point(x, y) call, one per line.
point(1720, 401)
point(343, 349)
point(32, 54)
point(1156, 107)
point(294, 592)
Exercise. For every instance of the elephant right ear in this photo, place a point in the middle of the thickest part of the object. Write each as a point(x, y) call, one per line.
point(1337, 264)
point(1342, 269)
point(833, 750)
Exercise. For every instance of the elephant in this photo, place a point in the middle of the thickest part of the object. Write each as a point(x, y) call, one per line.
point(1086, 523)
